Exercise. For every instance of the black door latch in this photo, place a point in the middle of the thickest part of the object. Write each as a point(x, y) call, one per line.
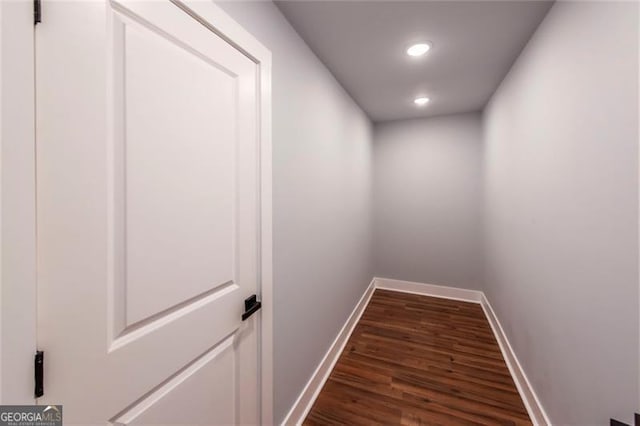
point(251, 306)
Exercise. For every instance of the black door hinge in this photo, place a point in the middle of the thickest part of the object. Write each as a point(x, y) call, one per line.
point(37, 12)
point(39, 373)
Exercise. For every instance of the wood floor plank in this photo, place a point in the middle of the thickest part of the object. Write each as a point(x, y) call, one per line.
point(419, 360)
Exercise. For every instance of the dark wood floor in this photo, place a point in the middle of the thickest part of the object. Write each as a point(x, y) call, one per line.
point(420, 360)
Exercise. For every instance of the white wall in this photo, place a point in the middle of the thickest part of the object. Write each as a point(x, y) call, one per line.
point(559, 166)
point(321, 202)
point(427, 192)
point(561, 210)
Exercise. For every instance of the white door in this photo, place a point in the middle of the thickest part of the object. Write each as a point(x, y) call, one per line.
point(148, 216)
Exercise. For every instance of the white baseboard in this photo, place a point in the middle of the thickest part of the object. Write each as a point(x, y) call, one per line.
point(307, 397)
point(532, 403)
point(429, 290)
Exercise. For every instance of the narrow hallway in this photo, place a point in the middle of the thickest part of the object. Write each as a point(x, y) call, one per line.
point(416, 359)
point(286, 212)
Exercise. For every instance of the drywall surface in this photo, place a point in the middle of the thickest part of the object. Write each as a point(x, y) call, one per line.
point(321, 201)
point(561, 215)
point(427, 200)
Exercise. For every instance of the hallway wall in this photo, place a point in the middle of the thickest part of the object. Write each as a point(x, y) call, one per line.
point(321, 201)
point(561, 216)
point(427, 200)
point(534, 202)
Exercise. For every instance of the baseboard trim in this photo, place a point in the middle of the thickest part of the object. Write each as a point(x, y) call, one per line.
point(531, 401)
point(433, 290)
point(307, 397)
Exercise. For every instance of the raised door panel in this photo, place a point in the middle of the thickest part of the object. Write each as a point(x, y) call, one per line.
point(205, 391)
point(176, 182)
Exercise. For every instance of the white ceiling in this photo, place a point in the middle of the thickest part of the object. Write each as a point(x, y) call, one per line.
point(363, 43)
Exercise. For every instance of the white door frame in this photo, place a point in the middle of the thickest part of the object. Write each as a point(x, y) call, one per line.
point(18, 309)
point(17, 203)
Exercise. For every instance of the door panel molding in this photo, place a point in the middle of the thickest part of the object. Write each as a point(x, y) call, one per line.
point(129, 230)
point(147, 402)
point(137, 331)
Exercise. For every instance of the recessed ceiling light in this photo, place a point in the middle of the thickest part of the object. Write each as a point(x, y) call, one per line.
point(421, 101)
point(418, 49)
